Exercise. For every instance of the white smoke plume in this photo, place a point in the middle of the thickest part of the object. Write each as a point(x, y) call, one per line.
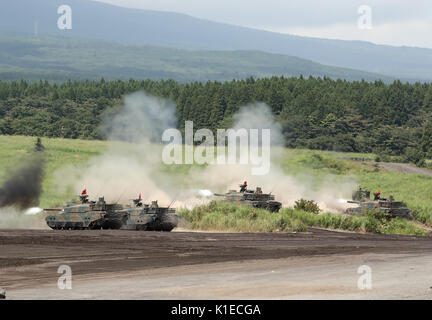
point(259, 116)
point(142, 119)
point(133, 164)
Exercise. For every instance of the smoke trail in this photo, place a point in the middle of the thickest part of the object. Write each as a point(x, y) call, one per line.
point(23, 186)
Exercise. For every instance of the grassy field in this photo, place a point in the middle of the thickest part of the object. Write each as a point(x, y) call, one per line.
point(58, 152)
point(229, 217)
point(415, 190)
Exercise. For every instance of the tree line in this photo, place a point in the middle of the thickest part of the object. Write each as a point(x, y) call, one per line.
point(316, 113)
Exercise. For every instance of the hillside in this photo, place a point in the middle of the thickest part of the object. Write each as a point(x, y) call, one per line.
point(95, 20)
point(57, 59)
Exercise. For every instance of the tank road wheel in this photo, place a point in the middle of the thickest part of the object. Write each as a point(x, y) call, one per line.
point(141, 227)
point(168, 223)
point(273, 207)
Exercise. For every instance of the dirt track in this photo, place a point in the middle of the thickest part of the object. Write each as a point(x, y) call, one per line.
point(405, 168)
point(187, 265)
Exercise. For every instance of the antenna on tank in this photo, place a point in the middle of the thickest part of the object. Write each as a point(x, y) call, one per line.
point(122, 194)
point(174, 200)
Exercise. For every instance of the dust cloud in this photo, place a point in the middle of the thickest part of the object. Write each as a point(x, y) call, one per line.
point(133, 163)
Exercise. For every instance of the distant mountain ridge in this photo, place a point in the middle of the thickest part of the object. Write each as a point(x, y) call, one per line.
point(94, 20)
point(60, 59)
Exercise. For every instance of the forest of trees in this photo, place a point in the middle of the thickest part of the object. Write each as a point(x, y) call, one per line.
point(317, 113)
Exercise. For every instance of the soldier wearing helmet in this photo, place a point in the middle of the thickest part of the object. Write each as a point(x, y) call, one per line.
point(243, 187)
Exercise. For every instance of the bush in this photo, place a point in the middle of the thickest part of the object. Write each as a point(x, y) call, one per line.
point(379, 215)
point(414, 155)
point(383, 158)
point(307, 205)
point(421, 163)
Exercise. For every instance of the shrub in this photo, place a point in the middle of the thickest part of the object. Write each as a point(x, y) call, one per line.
point(379, 215)
point(307, 205)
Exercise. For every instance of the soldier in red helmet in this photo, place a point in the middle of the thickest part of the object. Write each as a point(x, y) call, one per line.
point(243, 187)
point(84, 196)
point(138, 202)
point(377, 195)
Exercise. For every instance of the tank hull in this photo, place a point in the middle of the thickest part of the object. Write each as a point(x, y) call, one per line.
point(166, 224)
point(151, 222)
point(392, 208)
point(92, 217)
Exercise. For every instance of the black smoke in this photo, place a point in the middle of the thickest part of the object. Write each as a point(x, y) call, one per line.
point(23, 186)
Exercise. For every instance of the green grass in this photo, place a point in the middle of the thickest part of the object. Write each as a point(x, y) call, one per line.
point(59, 152)
point(231, 217)
point(415, 190)
point(218, 216)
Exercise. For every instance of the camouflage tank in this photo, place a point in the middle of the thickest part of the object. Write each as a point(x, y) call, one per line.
point(148, 217)
point(100, 215)
point(85, 215)
point(253, 198)
point(389, 206)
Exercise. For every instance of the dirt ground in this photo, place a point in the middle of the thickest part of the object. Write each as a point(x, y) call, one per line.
point(405, 168)
point(116, 264)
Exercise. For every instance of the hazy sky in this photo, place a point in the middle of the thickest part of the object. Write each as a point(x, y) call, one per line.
point(396, 22)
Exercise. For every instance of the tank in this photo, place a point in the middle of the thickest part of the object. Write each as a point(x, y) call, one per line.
point(253, 198)
point(389, 206)
point(148, 217)
point(101, 215)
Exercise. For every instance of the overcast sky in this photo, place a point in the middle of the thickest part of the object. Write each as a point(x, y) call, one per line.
point(395, 22)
